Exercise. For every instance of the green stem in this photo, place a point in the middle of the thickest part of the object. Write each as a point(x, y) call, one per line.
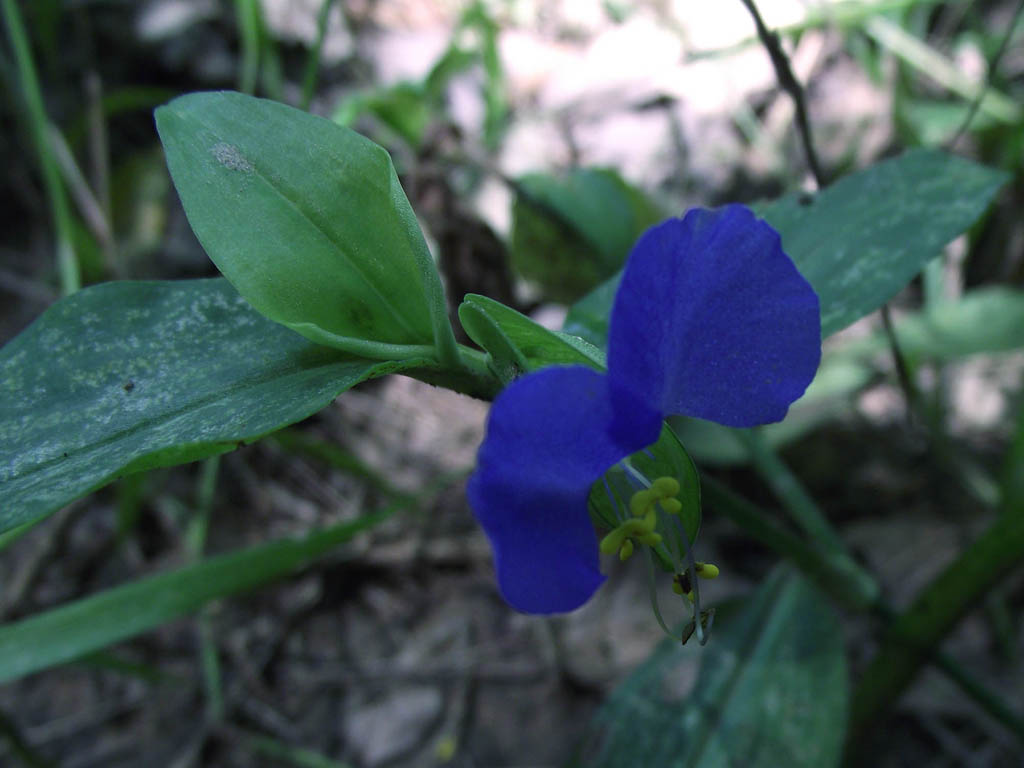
point(472, 376)
point(248, 29)
point(922, 57)
point(915, 634)
point(836, 573)
point(313, 63)
point(789, 490)
point(988, 700)
point(67, 261)
point(846, 582)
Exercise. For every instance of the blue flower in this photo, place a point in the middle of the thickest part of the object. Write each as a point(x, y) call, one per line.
point(711, 320)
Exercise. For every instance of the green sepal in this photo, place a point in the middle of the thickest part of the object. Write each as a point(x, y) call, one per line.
point(535, 345)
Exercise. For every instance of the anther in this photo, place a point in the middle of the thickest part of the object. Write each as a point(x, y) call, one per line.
point(643, 508)
point(627, 550)
point(665, 487)
point(706, 570)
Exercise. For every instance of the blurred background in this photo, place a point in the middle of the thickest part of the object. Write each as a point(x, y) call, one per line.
point(535, 140)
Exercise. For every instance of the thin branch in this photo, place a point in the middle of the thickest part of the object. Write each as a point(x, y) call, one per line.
point(992, 67)
point(902, 369)
point(788, 83)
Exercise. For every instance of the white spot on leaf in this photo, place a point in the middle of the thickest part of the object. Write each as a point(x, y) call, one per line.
point(229, 156)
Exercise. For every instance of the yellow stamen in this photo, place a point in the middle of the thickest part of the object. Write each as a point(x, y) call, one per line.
point(706, 570)
point(627, 550)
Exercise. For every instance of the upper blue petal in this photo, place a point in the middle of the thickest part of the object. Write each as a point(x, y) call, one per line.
point(712, 320)
point(547, 442)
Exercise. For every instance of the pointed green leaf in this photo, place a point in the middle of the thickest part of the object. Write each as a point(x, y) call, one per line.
point(860, 241)
point(571, 232)
point(128, 376)
point(65, 633)
point(771, 691)
point(308, 221)
point(535, 344)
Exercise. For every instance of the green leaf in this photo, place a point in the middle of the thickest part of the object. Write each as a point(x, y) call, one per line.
point(128, 376)
point(404, 108)
point(569, 233)
point(860, 241)
point(771, 691)
point(985, 320)
point(534, 344)
point(503, 357)
point(65, 633)
point(589, 317)
point(308, 221)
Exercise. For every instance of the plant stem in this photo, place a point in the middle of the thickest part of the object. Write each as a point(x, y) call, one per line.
point(993, 65)
point(472, 376)
point(914, 636)
point(848, 583)
point(789, 490)
point(984, 697)
point(313, 63)
point(788, 83)
point(836, 573)
point(67, 261)
point(248, 28)
point(940, 69)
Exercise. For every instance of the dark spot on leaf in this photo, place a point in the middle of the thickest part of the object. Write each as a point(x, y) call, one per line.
point(129, 385)
point(64, 455)
point(806, 198)
point(360, 316)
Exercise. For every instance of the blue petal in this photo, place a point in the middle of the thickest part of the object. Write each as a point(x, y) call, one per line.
point(547, 442)
point(713, 320)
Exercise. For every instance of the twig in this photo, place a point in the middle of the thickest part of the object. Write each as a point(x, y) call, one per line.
point(902, 369)
point(788, 83)
point(992, 66)
point(89, 207)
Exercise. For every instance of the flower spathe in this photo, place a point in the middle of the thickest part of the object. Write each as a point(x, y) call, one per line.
point(711, 320)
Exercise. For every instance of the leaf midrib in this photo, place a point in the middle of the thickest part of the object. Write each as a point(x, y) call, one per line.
point(392, 310)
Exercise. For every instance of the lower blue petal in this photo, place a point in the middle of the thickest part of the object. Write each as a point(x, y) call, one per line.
point(713, 320)
point(548, 439)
